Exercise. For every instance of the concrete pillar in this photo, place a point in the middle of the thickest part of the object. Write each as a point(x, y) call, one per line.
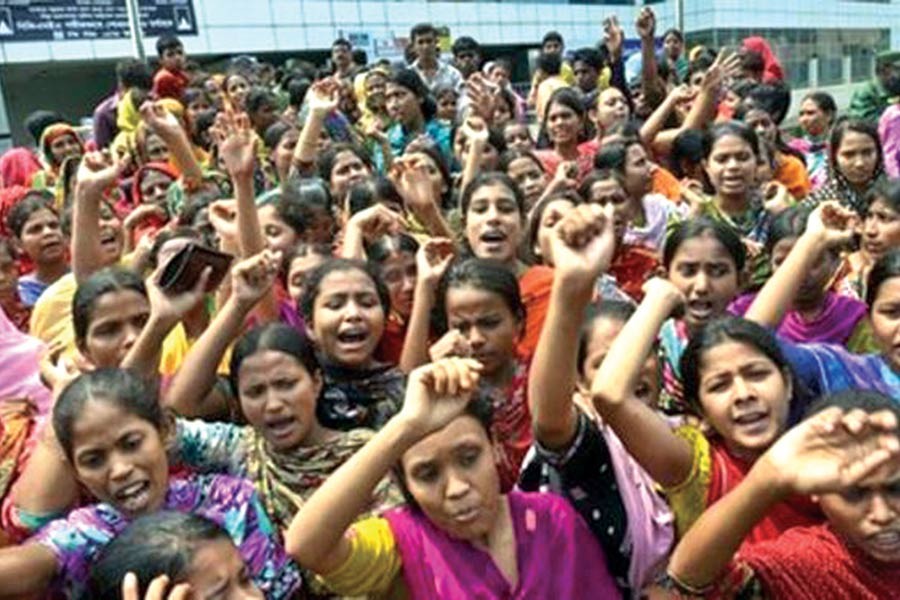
point(814, 72)
point(846, 69)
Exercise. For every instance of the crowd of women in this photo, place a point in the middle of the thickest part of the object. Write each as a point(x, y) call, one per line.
point(626, 337)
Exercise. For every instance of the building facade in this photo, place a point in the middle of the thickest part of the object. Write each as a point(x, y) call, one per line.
point(821, 42)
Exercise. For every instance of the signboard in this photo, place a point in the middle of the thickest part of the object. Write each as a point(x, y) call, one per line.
point(56, 20)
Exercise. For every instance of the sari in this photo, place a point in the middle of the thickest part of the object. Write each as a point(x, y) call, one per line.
point(631, 266)
point(284, 480)
point(534, 286)
point(510, 425)
point(20, 376)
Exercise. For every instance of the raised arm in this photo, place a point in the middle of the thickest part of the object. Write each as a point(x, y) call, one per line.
point(366, 226)
point(703, 111)
point(166, 311)
point(432, 260)
point(668, 459)
point(583, 247)
point(322, 98)
point(652, 133)
point(169, 128)
point(652, 85)
point(435, 395)
point(414, 185)
point(829, 224)
point(189, 391)
point(95, 175)
point(827, 453)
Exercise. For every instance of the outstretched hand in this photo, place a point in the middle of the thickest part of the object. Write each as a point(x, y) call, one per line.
point(645, 25)
point(376, 221)
point(234, 139)
point(324, 96)
point(834, 450)
point(413, 182)
point(614, 37)
point(438, 392)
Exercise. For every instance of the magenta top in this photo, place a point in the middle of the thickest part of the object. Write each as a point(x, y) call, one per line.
point(557, 556)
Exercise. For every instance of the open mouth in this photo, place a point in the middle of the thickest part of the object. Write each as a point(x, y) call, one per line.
point(755, 421)
point(700, 310)
point(281, 427)
point(493, 240)
point(134, 497)
point(353, 336)
point(886, 542)
point(109, 241)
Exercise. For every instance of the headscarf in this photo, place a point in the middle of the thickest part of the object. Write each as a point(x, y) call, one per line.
point(773, 71)
point(20, 376)
point(17, 166)
point(808, 563)
point(123, 207)
point(51, 133)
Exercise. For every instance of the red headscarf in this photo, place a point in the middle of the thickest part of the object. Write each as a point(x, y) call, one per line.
point(773, 71)
point(813, 563)
point(151, 225)
point(17, 166)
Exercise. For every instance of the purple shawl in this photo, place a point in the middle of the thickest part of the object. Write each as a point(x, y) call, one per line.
point(557, 556)
point(834, 325)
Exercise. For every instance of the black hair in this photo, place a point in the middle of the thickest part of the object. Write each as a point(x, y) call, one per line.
point(746, 106)
point(274, 133)
point(134, 73)
point(774, 98)
point(465, 44)
point(480, 408)
point(192, 94)
point(824, 101)
point(104, 281)
point(342, 42)
point(273, 336)
point(300, 201)
point(730, 128)
point(673, 31)
point(486, 179)
point(845, 125)
point(122, 388)
point(702, 227)
point(886, 190)
point(326, 161)
point(790, 223)
point(313, 286)
point(735, 329)
point(589, 56)
point(687, 147)
point(410, 80)
point(549, 63)
point(422, 29)
point(162, 543)
point(297, 89)
point(22, 210)
point(39, 120)
point(167, 41)
point(382, 248)
point(615, 155)
point(567, 97)
point(885, 268)
point(601, 174)
point(378, 189)
point(617, 310)
point(427, 146)
point(359, 56)
point(257, 98)
point(868, 401)
point(536, 215)
point(552, 36)
point(483, 274)
point(511, 155)
point(701, 63)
